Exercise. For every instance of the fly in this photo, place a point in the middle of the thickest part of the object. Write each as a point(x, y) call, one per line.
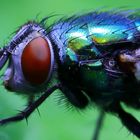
point(93, 57)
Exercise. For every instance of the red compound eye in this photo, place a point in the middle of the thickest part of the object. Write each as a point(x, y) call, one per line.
point(36, 61)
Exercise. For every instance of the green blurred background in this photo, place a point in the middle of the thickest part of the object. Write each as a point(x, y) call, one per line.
point(57, 122)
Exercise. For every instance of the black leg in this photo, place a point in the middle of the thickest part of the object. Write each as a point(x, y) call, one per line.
point(131, 123)
point(30, 108)
point(75, 96)
point(99, 125)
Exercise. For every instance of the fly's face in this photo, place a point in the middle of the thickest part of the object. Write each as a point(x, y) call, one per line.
point(31, 60)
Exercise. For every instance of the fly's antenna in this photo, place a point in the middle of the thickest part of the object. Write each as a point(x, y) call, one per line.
point(4, 55)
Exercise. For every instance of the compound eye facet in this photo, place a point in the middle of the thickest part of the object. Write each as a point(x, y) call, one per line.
point(36, 61)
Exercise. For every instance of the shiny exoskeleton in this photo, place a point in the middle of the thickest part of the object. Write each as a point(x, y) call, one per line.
point(93, 58)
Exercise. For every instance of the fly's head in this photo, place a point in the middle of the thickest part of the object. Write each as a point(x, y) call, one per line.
point(31, 60)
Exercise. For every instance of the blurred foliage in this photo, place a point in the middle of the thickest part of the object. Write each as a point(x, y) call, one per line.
point(57, 122)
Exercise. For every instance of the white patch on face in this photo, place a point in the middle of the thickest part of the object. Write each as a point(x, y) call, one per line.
point(137, 52)
point(137, 71)
point(137, 64)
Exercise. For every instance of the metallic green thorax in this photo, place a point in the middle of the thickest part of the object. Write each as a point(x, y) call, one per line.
point(85, 40)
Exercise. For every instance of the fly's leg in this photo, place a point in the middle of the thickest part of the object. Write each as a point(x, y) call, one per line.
point(99, 125)
point(75, 96)
point(31, 107)
point(130, 122)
